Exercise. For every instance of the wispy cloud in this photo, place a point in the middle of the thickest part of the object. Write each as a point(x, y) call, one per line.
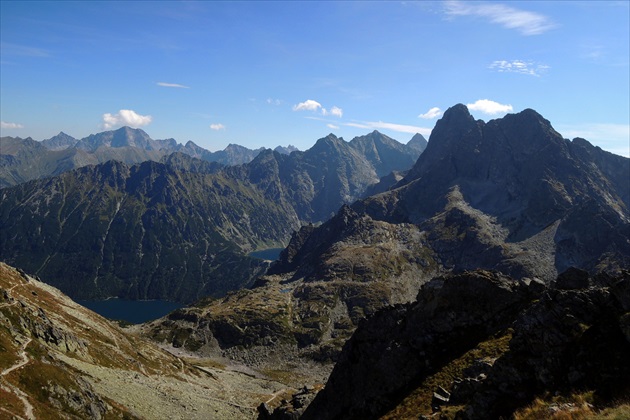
point(23, 50)
point(525, 22)
point(172, 85)
point(125, 117)
point(311, 105)
point(217, 126)
point(272, 101)
point(10, 125)
point(333, 126)
point(530, 68)
point(434, 112)
point(489, 107)
point(401, 128)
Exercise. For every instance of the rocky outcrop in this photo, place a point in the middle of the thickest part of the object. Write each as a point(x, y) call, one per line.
point(567, 338)
point(398, 347)
point(572, 339)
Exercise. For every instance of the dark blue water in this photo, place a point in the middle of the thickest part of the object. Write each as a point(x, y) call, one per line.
point(267, 254)
point(132, 311)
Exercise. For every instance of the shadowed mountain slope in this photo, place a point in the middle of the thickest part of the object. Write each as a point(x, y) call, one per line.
point(480, 345)
point(147, 231)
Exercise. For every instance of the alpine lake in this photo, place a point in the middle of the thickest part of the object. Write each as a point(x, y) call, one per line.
point(139, 311)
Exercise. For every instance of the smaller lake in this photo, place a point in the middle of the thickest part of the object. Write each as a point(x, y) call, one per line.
point(271, 254)
point(132, 311)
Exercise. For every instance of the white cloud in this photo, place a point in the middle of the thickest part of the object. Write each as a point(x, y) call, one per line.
point(125, 117)
point(217, 126)
point(402, 128)
point(334, 111)
point(489, 107)
point(434, 112)
point(272, 101)
point(308, 105)
point(333, 126)
point(527, 23)
point(10, 125)
point(172, 85)
point(519, 66)
point(311, 105)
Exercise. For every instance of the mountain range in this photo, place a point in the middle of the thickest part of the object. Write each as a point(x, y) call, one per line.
point(491, 272)
point(179, 229)
point(26, 159)
point(510, 195)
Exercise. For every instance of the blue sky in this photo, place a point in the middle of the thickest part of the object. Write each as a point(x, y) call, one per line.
point(276, 73)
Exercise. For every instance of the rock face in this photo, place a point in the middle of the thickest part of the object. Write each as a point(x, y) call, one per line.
point(570, 340)
point(386, 154)
point(388, 353)
point(513, 195)
point(563, 341)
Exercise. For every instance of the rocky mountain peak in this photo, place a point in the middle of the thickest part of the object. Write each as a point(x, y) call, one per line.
point(121, 137)
point(456, 116)
point(59, 142)
point(418, 142)
point(456, 128)
point(329, 139)
point(286, 150)
point(127, 136)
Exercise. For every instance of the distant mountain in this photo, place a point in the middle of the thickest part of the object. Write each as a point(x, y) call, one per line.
point(385, 153)
point(122, 137)
point(24, 159)
point(286, 150)
point(418, 142)
point(61, 141)
point(318, 181)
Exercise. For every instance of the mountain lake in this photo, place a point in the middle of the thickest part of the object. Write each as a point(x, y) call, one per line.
point(270, 254)
point(132, 311)
point(138, 311)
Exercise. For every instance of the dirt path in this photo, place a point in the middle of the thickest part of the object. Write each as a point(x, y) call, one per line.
point(24, 359)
